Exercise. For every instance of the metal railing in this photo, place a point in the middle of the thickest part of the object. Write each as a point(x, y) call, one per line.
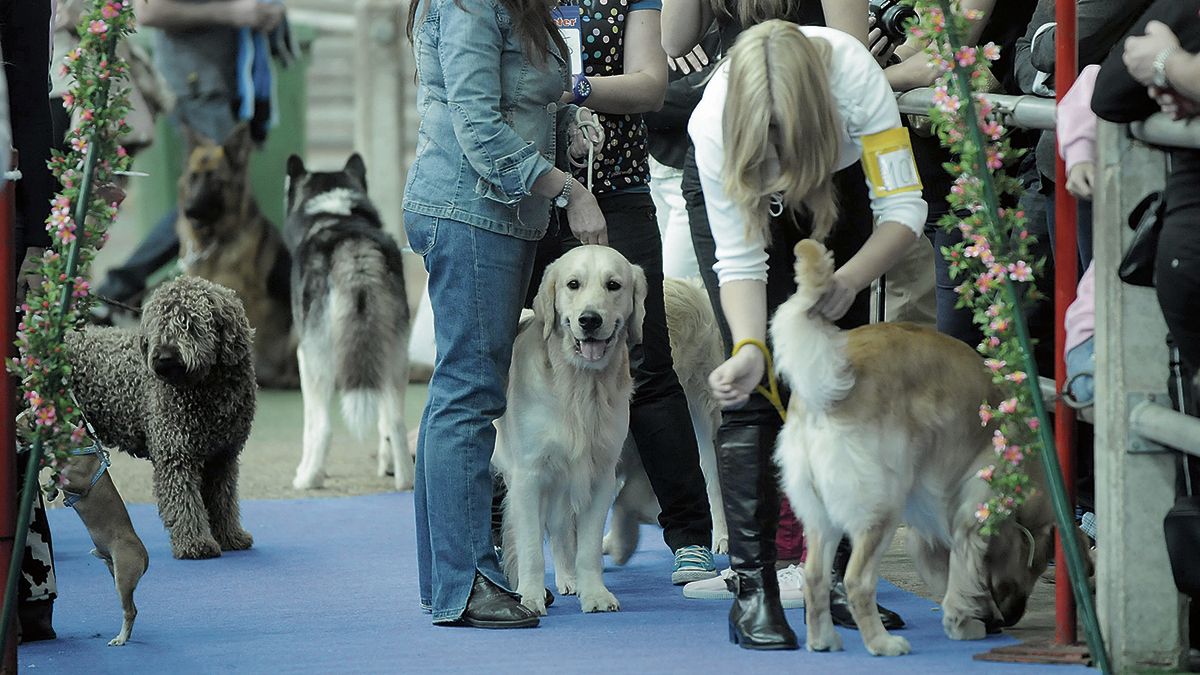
point(1166, 427)
point(1035, 112)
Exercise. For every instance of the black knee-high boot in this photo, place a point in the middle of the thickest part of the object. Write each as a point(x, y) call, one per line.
point(750, 487)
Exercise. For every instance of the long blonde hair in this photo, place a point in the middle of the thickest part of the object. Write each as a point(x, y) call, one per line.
point(779, 95)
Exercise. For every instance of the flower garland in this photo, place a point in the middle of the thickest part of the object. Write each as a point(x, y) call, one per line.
point(993, 256)
point(80, 215)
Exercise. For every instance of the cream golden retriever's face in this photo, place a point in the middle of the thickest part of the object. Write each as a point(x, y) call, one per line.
point(592, 297)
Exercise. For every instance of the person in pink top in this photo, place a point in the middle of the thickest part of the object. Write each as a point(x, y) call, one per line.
point(1077, 144)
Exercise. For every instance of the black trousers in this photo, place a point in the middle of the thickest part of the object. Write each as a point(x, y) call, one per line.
point(1178, 264)
point(658, 415)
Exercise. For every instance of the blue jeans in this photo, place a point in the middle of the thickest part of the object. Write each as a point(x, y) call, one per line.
point(1081, 372)
point(477, 281)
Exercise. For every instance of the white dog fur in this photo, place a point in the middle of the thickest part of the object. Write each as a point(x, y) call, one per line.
point(568, 414)
point(883, 426)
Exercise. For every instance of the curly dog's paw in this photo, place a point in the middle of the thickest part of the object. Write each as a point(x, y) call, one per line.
point(598, 601)
point(196, 549)
point(237, 540)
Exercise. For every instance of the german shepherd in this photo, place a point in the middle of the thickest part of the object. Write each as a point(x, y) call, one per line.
point(224, 238)
point(352, 313)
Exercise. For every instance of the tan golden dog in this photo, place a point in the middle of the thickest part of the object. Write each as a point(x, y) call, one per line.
point(224, 238)
point(883, 427)
point(696, 351)
point(568, 414)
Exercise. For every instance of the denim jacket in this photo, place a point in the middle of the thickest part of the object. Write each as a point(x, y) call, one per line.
point(489, 120)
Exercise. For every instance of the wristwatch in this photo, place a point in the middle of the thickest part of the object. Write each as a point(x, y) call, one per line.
point(564, 197)
point(582, 89)
point(1160, 67)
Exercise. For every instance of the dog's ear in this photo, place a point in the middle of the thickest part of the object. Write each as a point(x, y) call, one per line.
point(356, 168)
point(295, 167)
point(235, 338)
point(193, 139)
point(238, 145)
point(639, 306)
point(544, 302)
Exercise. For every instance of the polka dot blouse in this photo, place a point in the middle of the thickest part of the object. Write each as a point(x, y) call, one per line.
point(622, 164)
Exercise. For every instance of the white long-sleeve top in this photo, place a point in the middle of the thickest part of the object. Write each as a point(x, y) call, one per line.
point(865, 106)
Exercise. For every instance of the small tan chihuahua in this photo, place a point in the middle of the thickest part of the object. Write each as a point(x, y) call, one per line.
point(90, 490)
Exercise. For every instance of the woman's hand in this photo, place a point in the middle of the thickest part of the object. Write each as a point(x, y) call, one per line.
point(1080, 180)
point(881, 47)
point(585, 134)
point(1175, 104)
point(1141, 50)
point(692, 62)
point(732, 382)
point(836, 300)
point(585, 218)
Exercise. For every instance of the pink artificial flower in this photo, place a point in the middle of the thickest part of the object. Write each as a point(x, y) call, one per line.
point(121, 151)
point(1017, 376)
point(992, 130)
point(995, 159)
point(81, 288)
point(986, 473)
point(999, 442)
point(98, 27)
point(999, 325)
point(945, 101)
point(110, 10)
point(965, 56)
point(985, 283)
point(78, 435)
point(991, 51)
point(983, 512)
point(993, 311)
point(79, 144)
point(68, 100)
point(87, 115)
point(995, 364)
point(993, 341)
point(1020, 271)
point(1008, 406)
point(973, 14)
point(1034, 423)
point(985, 415)
point(965, 227)
point(46, 416)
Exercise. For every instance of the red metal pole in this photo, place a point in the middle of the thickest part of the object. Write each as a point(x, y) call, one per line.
point(1066, 275)
point(8, 450)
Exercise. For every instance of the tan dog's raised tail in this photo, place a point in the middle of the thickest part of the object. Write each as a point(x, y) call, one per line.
point(883, 427)
point(103, 513)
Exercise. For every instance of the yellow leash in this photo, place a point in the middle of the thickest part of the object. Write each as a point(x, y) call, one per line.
point(771, 391)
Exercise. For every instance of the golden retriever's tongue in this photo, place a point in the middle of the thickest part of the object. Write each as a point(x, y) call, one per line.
point(592, 350)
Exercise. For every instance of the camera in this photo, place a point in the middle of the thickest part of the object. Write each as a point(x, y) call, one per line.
point(892, 17)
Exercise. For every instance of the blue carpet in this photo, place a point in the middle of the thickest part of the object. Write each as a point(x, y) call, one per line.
point(330, 587)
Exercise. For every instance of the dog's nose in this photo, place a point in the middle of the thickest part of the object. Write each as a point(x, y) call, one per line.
point(166, 362)
point(590, 321)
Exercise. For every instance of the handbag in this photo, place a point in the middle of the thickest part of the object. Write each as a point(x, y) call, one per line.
point(1181, 526)
point(1137, 265)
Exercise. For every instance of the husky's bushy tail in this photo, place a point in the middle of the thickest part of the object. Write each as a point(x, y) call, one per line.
point(366, 316)
point(810, 352)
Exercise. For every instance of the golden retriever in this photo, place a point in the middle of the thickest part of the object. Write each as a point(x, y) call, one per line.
point(568, 414)
point(696, 351)
point(883, 426)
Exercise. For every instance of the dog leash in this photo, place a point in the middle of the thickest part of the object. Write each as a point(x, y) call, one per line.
point(771, 391)
point(583, 124)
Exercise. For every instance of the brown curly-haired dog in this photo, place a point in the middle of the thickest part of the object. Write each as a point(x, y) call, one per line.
point(179, 391)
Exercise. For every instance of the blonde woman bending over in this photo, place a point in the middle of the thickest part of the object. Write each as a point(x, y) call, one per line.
point(797, 136)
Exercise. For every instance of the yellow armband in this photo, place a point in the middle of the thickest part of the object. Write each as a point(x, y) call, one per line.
point(887, 159)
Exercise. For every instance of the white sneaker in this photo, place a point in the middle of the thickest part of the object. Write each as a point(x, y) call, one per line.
point(791, 587)
point(710, 589)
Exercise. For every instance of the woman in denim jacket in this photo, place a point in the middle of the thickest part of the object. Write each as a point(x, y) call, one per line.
point(490, 74)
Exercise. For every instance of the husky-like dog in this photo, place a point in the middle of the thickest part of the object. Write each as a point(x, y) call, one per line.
point(350, 308)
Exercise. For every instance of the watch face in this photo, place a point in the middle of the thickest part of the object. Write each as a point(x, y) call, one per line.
point(583, 88)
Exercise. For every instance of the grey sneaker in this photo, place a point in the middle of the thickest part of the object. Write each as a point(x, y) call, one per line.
point(791, 587)
point(692, 563)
